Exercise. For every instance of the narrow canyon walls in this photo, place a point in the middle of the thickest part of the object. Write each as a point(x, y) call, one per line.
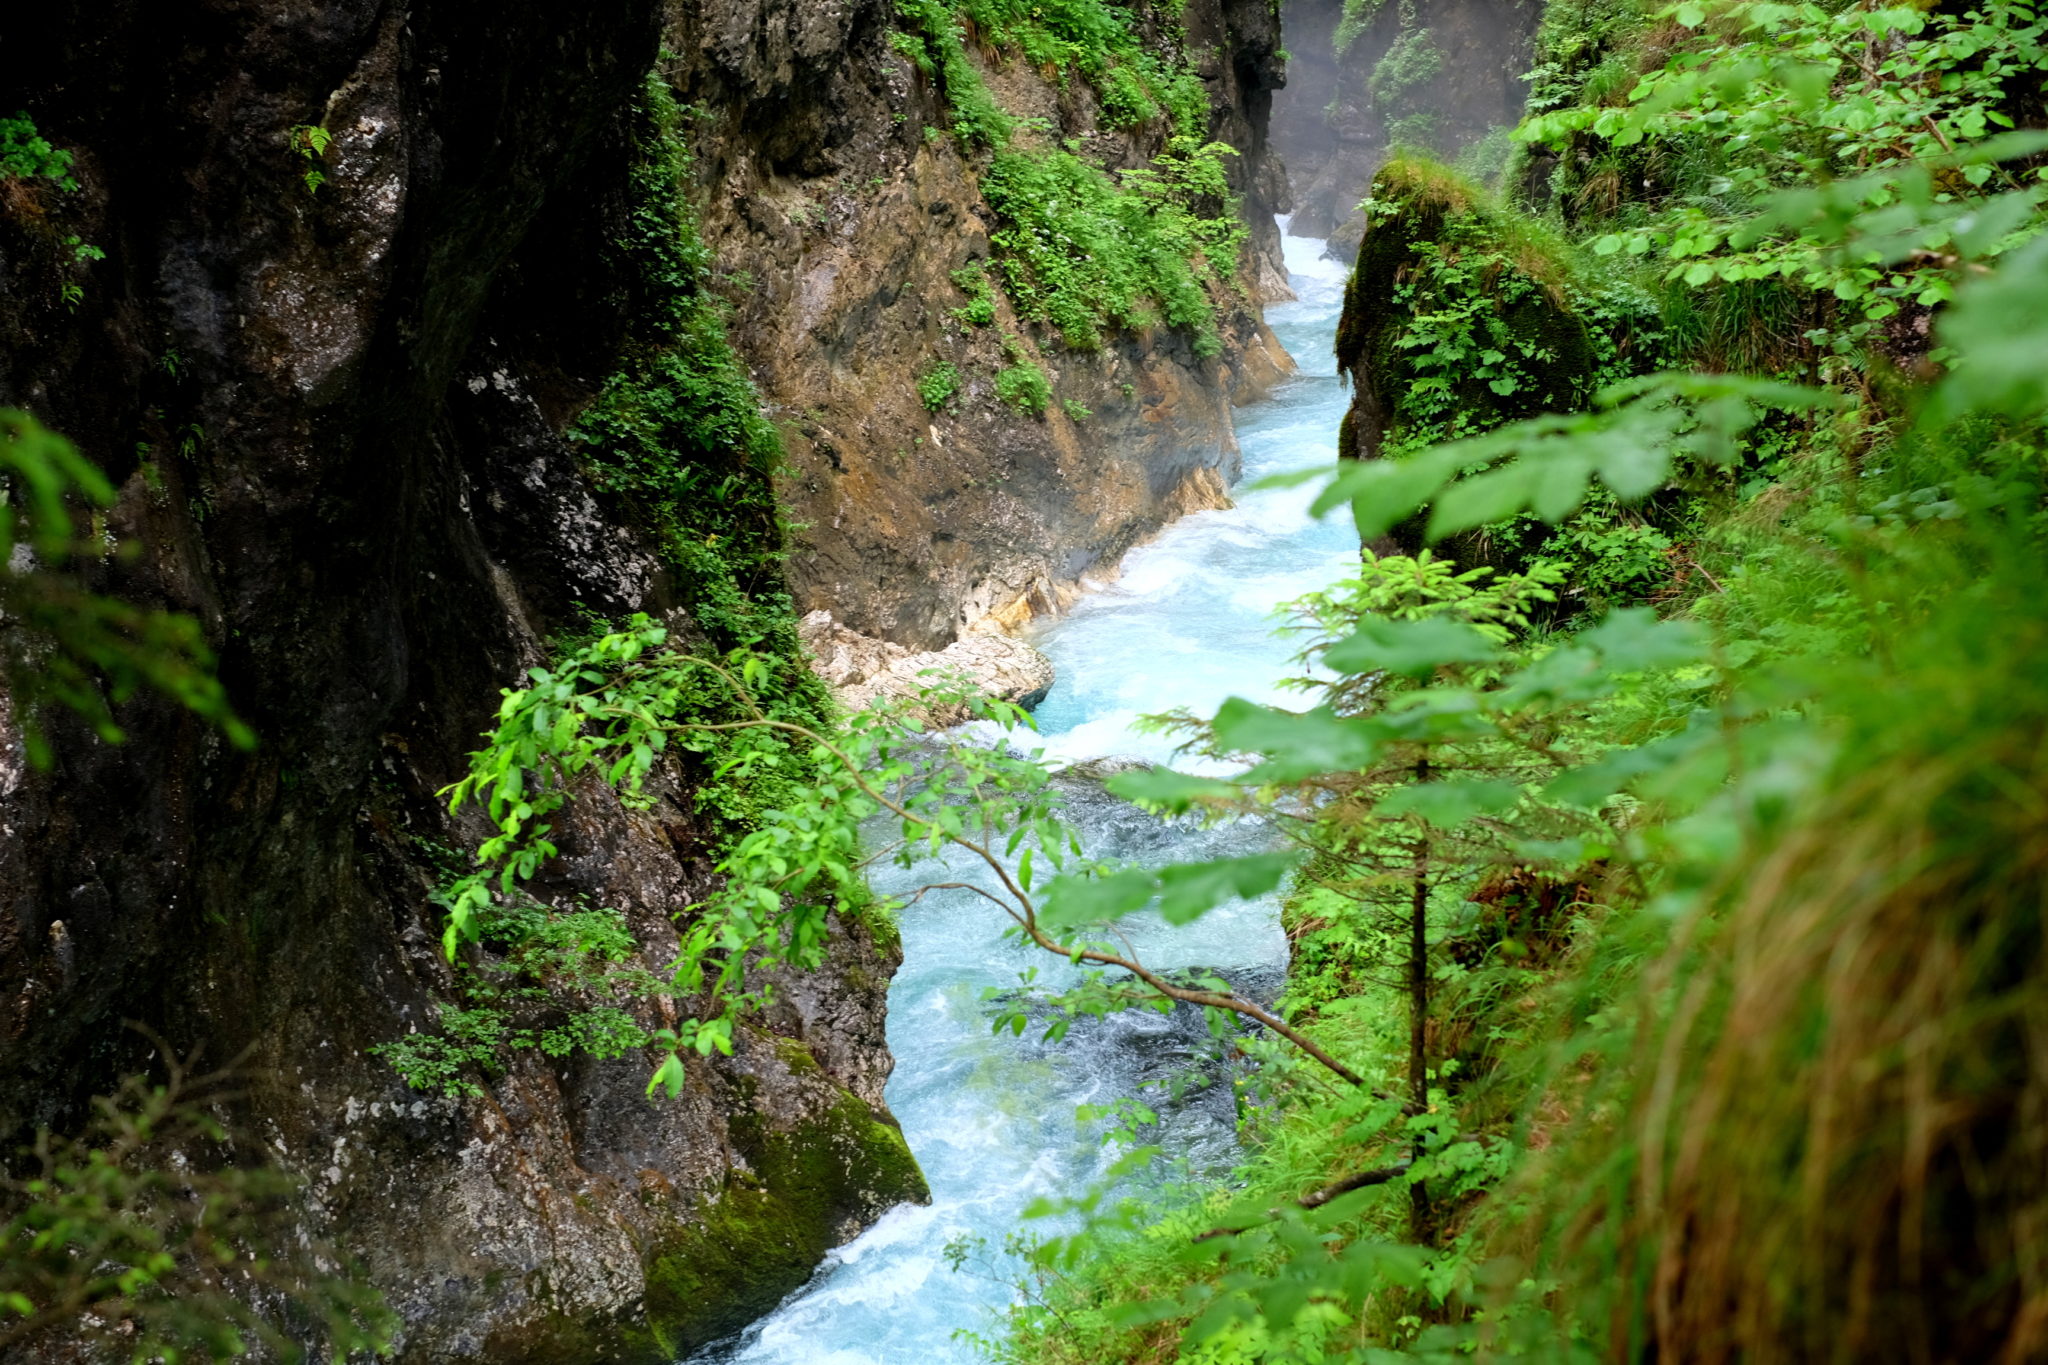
point(1370, 76)
point(365, 271)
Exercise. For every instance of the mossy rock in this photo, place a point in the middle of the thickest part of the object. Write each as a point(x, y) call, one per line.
point(1413, 199)
point(1436, 245)
point(1424, 214)
point(765, 1233)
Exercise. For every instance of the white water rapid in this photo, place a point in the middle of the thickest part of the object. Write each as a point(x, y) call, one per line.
point(1189, 622)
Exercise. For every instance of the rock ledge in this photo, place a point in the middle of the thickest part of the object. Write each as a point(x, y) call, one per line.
point(863, 670)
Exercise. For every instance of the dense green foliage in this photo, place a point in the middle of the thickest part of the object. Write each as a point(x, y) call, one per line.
point(26, 154)
point(1683, 963)
point(1085, 249)
point(1085, 252)
point(1463, 314)
point(611, 708)
point(1021, 383)
point(549, 979)
point(1401, 82)
point(32, 161)
point(980, 308)
point(937, 386)
point(1676, 163)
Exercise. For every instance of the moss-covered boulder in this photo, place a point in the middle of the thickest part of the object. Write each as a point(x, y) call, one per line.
point(1459, 315)
point(798, 1191)
point(1463, 314)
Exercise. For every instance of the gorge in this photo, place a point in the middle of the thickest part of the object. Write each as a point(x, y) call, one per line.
point(534, 533)
point(335, 381)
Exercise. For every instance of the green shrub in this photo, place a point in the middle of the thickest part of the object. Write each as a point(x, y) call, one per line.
point(1412, 61)
point(1125, 101)
point(1087, 253)
point(1081, 248)
point(160, 1234)
point(978, 120)
point(915, 48)
point(937, 386)
point(1357, 16)
point(545, 979)
point(26, 154)
point(980, 308)
point(1024, 386)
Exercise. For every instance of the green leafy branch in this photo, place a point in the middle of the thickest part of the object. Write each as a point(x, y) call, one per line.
point(1633, 439)
point(73, 647)
point(620, 702)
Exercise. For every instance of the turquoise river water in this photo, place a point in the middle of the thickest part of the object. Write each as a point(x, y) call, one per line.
point(1188, 622)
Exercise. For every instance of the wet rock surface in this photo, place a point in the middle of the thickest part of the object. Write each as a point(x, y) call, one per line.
point(336, 417)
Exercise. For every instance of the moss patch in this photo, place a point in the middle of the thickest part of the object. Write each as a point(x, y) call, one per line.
point(766, 1232)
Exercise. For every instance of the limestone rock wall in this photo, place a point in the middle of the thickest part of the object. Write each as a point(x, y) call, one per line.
point(837, 221)
point(336, 417)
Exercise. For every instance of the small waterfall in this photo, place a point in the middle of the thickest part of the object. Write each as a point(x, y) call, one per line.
point(1187, 623)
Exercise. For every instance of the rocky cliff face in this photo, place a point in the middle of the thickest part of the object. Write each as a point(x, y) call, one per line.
point(1434, 78)
point(336, 416)
point(838, 217)
point(334, 381)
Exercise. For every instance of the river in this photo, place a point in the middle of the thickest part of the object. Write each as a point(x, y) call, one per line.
point(1188, 622)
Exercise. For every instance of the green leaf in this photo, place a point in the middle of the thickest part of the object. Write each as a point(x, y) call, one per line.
point(1190, 890)
point(2000, 327)
point(1169, 791)
point(1079, 898)
point(1411, 648)
point(1484, 498)
point(1592, 783)
point(669, 1076)
point(1451, 802)
point(1294, 744)
point(1383, 493)
point(1634, 469)
point(1633, 640)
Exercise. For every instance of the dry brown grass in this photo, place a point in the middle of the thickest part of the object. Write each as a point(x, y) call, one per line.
point(1834, 1132)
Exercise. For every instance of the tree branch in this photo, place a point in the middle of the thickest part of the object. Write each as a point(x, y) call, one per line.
point(1363, 1180)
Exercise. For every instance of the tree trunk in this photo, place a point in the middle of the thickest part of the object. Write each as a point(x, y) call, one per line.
point(1421, 1218)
